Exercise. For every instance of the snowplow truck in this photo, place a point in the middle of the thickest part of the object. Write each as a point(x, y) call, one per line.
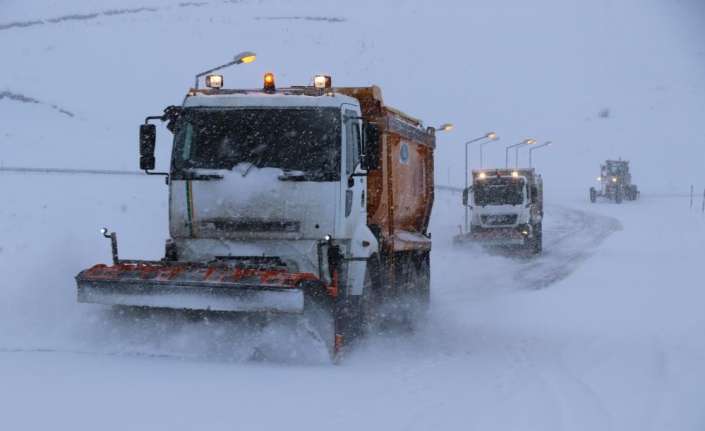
point(284, 198)
point(615, 183)
point(506, 207)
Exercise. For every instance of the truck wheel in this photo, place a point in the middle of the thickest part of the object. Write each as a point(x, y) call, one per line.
point(538, 239)
point(423, 281)
point(406, 304)
point(417, 299)
point(593, 194)
point(356, 315)
point(370, 301)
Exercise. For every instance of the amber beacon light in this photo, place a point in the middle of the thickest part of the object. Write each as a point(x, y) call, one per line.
point(269, 86)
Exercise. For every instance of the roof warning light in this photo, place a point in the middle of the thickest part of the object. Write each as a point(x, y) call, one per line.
point(214, 81)
point(269, 86)
point(322, 81)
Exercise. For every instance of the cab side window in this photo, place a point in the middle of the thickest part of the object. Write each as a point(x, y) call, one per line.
point(353, 146)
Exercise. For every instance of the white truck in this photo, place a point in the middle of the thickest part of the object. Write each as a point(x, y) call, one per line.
point(506, 207)
point(283, 198)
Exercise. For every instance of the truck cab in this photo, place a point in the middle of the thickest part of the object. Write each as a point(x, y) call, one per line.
point(506, 207)
point(255, 174)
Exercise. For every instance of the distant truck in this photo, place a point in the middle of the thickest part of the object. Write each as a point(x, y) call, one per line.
point(615, 182)
point(506, 208)
point(280, 198)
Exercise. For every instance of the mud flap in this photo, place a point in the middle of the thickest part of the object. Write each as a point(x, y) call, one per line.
point(348, 325)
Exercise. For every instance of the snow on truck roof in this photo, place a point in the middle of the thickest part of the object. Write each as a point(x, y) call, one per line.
point(282, 97)
point(367, 98)
point(504, 171)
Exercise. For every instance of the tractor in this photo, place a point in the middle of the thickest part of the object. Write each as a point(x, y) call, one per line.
point(615, 183)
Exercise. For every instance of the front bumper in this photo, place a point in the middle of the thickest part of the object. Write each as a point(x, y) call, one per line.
point(499, 235)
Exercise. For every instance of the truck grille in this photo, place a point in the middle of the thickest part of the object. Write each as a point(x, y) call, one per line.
point(231, 225)
point(499, 219)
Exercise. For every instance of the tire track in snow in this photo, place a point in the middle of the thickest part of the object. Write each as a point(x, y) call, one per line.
point(567, 244)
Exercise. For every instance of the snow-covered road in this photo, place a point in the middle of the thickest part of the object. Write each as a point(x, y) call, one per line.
point(583, 337)
point(603, 331)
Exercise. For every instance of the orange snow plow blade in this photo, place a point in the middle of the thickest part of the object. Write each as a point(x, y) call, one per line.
point(192, 286)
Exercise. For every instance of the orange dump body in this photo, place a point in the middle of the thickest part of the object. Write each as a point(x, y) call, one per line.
point(400, 192)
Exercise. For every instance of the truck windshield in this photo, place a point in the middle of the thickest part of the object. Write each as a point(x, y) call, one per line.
point(616, 168)
point(499, 191)
point(306, 140)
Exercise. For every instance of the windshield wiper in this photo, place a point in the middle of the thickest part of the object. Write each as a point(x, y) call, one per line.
point(259, 151)
point(197, 176)
point(292, 176)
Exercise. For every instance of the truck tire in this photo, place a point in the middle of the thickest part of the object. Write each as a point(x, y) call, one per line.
point(537, 243)
point(357, 315)
point(405, 305)
point(423, 281)
point(593, 194)
point(370, 301)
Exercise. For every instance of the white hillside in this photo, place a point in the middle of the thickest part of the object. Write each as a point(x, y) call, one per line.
point(603, 331)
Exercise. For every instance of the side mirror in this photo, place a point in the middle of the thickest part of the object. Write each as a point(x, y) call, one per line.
point(534, 194)
point(466, 195)
point(371, 156)
point(148, 138)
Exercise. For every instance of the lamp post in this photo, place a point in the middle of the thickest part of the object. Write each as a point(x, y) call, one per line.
point(531, 150)
point(241, 58)
point(516, 152)
point(527, 141)
point(491, 136)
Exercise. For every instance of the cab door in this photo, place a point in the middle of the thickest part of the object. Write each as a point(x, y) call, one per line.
point(354, 203)
point(354, 180)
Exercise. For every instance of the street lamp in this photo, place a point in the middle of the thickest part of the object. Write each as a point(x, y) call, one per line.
point(531, 150)
point(241, 58)
point(528, 141)
point(491, 136)
point(446, 127)
point(516, 152)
